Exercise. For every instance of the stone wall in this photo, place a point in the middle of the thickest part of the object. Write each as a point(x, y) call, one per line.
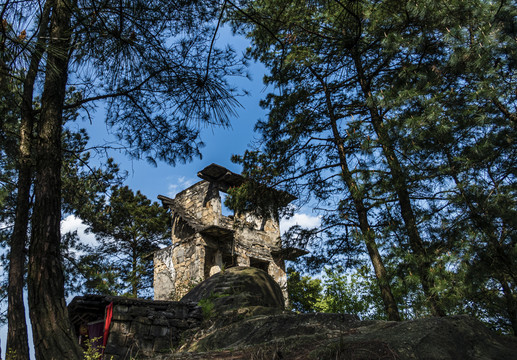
point(204, 241)
point(187, 261)
point(141, 329)
point(254, 245)
point(201, 203)
point(164, 274)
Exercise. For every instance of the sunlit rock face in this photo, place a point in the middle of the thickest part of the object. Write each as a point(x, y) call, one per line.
point(238, 287)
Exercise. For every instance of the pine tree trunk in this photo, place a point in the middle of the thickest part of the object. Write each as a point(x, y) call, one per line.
point(17, 340)
point(134, 274)
point(499, 270)
point(423, 264)
point(390, 305)
point(17, 324)
point(52, 331)
point(399, 182)
point(511, 304)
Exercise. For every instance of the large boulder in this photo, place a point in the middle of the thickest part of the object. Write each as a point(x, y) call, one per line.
point(237, 288)
point(291, 336)
point(246, 320)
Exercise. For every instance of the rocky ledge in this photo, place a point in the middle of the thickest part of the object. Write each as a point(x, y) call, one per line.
point(245, 319)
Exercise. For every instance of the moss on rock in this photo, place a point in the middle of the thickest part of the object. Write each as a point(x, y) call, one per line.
point(247, 321)
point(238, 287)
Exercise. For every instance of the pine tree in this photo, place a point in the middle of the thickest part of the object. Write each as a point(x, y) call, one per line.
point(406, 107)
point(128, 229)
point(154, 65)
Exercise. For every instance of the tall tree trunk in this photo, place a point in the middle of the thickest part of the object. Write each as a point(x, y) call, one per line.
point(383, 281)
point(17, 340)
point(399, 182)
point(52, 331)
point(511, 304)
point(500, 269)
point(134, 274)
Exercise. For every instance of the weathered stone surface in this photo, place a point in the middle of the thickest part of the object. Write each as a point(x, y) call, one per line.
point(204, 241)
point(238, 287)
point(139, 327)
point(164, 274)
point(334, 336)
point(250, 330)
point(456, 337)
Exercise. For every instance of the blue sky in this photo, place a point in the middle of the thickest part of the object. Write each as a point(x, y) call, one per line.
point(220, 145)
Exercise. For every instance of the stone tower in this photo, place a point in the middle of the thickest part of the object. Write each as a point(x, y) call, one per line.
point(204, 241)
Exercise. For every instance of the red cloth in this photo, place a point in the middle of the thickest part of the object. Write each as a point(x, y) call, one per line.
point(107, 323)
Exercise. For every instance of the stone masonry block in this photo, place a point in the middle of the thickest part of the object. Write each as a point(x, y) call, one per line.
point(157, 331)
point(122, 316)
point(138, 311)
point(161, 320)
point(121, 308)
point(120, 327)
point(140, 329)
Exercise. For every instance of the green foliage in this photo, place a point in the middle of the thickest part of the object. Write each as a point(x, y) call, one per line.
point(256, 198)
point(92, 352)
point(85, 186)
point(156, 69)
point(345, 293)
point(406, 109)
point(338, 291)
point(11, 355)
point(128, 228)
point(84, 183)
point(304, 291)
point(207, 307)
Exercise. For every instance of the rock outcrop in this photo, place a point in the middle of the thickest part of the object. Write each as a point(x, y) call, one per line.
point(239, 314)
point(246, 321)
point(236, 288)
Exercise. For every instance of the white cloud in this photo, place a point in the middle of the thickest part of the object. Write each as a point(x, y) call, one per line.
point(180, 184)
point(172, 190)
point(304, 220)
point(72, 223)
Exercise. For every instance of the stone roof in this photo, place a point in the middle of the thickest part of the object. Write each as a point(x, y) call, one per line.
point(288, 253)
point(221, 175)
point(215, 230)
point(224, 179)
point(178, 209)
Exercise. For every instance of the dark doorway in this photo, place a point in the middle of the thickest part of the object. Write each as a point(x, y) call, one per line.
point(259, 264)
point(229, 261)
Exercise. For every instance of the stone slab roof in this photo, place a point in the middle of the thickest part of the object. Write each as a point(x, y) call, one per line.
point(178, 209)
point(192, 222)
point(221, 175)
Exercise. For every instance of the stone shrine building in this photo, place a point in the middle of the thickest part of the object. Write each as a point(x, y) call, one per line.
point(205, 242)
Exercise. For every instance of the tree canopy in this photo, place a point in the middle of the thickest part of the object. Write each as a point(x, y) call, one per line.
point(395, 120)
point(128, 229)
point(155, 67)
